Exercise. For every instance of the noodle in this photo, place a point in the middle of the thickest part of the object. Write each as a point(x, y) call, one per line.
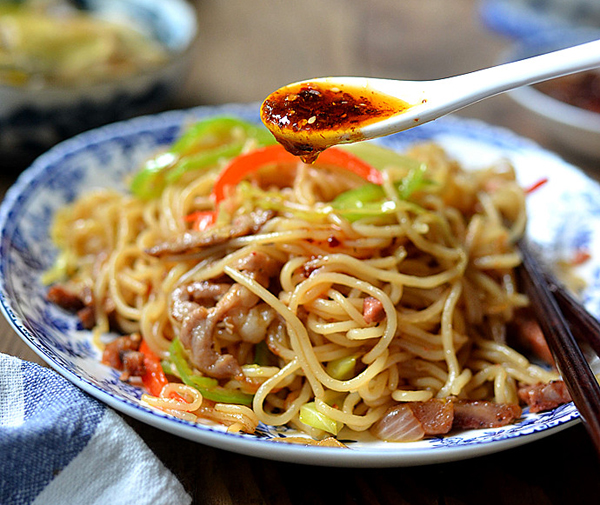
point(436, 264)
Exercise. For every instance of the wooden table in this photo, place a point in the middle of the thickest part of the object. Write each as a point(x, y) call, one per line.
point(244, 51)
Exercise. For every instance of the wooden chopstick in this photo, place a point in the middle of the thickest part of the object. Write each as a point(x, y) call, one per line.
point(583, 325)
point(571, 363)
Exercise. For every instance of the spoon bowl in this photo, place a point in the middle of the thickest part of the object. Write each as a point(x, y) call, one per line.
point(310, 116)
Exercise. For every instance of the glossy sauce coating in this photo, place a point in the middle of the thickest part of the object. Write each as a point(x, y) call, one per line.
point(307, 118)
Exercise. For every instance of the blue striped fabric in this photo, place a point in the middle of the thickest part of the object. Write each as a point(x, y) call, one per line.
point(59, 420)
point(46, 423)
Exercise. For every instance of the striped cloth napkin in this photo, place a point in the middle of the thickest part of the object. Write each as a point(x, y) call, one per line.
point(58, 446)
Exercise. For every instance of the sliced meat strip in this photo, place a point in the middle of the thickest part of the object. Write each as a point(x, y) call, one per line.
point(198, 329)
point(471, 414)
point(133, 364)
point(435, 415)
point(373, 310)
point(122, 354)
point(65, 298)
point(259, 266)
point(188, 297)
point(526, 332)
point(197, 335)
point(79, 299)
point(87, 316)
point(250, 324)
point(206, 308)
point(193, 241)
point(541, 397)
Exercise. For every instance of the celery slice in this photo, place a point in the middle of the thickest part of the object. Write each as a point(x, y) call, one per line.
point(208, 387)
point(310, 416)
point(342, 368)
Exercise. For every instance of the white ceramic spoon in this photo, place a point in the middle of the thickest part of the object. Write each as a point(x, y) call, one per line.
point(408, 103)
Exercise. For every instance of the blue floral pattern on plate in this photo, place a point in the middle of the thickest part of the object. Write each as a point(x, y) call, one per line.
point(564, 217)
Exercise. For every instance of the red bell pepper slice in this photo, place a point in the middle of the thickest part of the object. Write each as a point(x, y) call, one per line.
point(154, 379)
point(201, 219)
point(250, 162)
point(536, 185)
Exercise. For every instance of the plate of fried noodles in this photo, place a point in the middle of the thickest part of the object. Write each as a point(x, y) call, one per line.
point(361, 311)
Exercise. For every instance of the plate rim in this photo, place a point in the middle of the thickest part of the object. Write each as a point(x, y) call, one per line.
point(233, 442)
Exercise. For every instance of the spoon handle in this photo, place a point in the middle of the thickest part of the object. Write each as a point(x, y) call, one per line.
point(475, 86)
point(421, 101)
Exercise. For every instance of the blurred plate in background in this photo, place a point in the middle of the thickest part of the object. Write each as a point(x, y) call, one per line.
point(37, 111)
point(575, 128)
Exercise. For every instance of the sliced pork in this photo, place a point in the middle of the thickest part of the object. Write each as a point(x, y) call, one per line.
point(412, 421)
point(208, 310)
point(191, 242)
point(373, 310)
point(79, 300)
point(541, 397)
point(122, 354)
point(65, 298)
point(472, 414)
point(528, 335)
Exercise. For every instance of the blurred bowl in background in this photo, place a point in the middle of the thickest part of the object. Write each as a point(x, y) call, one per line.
point(524, 18)
point(52, 91)
point(574, 127)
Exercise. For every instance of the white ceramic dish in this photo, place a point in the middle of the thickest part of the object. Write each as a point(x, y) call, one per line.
point(564, 217)
point(573, 128)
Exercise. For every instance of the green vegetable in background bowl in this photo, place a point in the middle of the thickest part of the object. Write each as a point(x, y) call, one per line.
point(52, 42)
point(67, 66)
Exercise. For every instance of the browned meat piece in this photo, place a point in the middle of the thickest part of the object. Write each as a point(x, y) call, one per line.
point(80, 300)
point(435, 415)
point(542, 397)
point(207, 309)
point(133, 364)
point(188, 297)
point(116, 353)
point(408, 422)
point(192, 241)
point(65, 298)
point(259, 266)
point(198, 329)
point(197, 334)
point(373, 310)
point(470, 414)
point(529, 336)
point(87, 316)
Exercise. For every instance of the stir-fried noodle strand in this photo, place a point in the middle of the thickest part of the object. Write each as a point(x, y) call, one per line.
point(349, 308)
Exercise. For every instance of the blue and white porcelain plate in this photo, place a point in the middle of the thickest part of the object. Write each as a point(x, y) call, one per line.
point(564, 218)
